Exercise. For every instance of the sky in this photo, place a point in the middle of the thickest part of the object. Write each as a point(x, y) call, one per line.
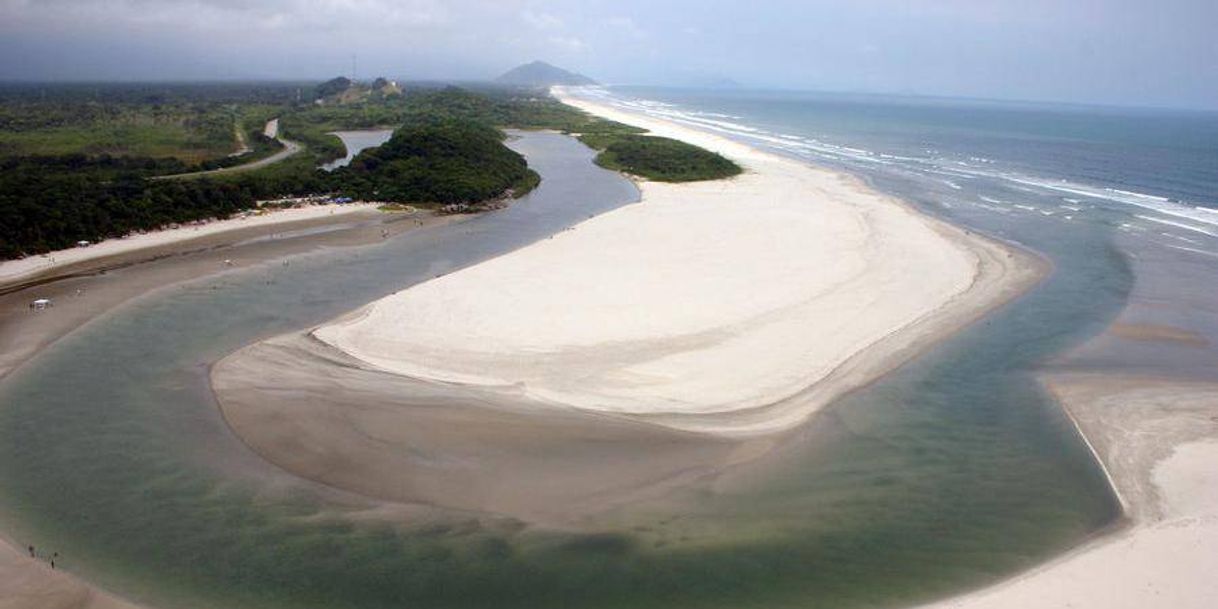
point(1123, 52)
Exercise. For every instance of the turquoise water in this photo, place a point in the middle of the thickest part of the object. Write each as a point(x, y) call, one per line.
point(953, 472)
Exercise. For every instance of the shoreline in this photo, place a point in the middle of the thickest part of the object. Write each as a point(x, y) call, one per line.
point(1156, 440)
point(104, 276)
point(972, 275)
point(24, 272)
point(1107, 539)
point(485, 450)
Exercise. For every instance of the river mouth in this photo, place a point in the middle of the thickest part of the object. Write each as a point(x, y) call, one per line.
point(952, 472)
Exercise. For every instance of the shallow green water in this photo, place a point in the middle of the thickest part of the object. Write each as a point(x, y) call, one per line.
point(953, 471)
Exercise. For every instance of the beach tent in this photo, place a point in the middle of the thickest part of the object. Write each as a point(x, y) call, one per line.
point(40, 304)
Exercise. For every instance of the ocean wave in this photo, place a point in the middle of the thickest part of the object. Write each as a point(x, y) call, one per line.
point(1183, 225)
point(1193, 250)
point(935, 162)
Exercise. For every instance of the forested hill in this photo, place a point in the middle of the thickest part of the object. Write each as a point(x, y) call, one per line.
point(542, 74)
point(438, 161)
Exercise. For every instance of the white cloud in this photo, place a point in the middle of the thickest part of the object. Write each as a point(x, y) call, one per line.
point(541, 21)
point(627, 25)
point(568, 43)
point(195, 15)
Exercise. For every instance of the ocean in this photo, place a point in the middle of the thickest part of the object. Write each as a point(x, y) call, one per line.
point(1157, 163)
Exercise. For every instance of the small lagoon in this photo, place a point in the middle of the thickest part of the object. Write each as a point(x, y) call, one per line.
point(356, 142)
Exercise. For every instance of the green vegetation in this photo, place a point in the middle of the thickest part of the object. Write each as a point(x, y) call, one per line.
point(189, 133)
point(437, 161)
point(660, 158)
point(196, 124)
point(75, 160)
point(334, 86)
point(49, 203)
point(622, 147)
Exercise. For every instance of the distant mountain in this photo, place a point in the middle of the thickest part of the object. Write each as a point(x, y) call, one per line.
point(542, 74)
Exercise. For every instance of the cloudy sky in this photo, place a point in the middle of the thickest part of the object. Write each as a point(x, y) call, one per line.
point(1133, 52)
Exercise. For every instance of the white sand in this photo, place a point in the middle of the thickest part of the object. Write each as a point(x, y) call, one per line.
point(1159, 443)
point(703, 298)
point(18, 270)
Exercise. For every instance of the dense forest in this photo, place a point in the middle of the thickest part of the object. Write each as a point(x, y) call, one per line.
point(662, 159)
point(447, 149)
point(437, 161)
point(49, 203)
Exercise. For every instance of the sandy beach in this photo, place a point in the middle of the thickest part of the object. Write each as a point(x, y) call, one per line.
point(14, 272)
point(1158, 442)
point(708, 298)
point(658, 344)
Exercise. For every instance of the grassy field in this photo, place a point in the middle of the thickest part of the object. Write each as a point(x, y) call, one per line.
point(192, 134)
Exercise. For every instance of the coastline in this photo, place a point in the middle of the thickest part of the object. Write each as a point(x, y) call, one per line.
point(1157, 441)
point(91, 288)
point(1155, 438)
point(486, 450)
point(1079, 565)
point(810, 249)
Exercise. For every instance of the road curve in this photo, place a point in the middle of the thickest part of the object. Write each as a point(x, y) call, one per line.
point(272, 130)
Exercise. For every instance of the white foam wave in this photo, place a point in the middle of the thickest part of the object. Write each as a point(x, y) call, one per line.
point(934, 162)
point(1184, 225)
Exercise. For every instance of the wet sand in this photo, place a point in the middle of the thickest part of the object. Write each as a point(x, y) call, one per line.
point(87, 288)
